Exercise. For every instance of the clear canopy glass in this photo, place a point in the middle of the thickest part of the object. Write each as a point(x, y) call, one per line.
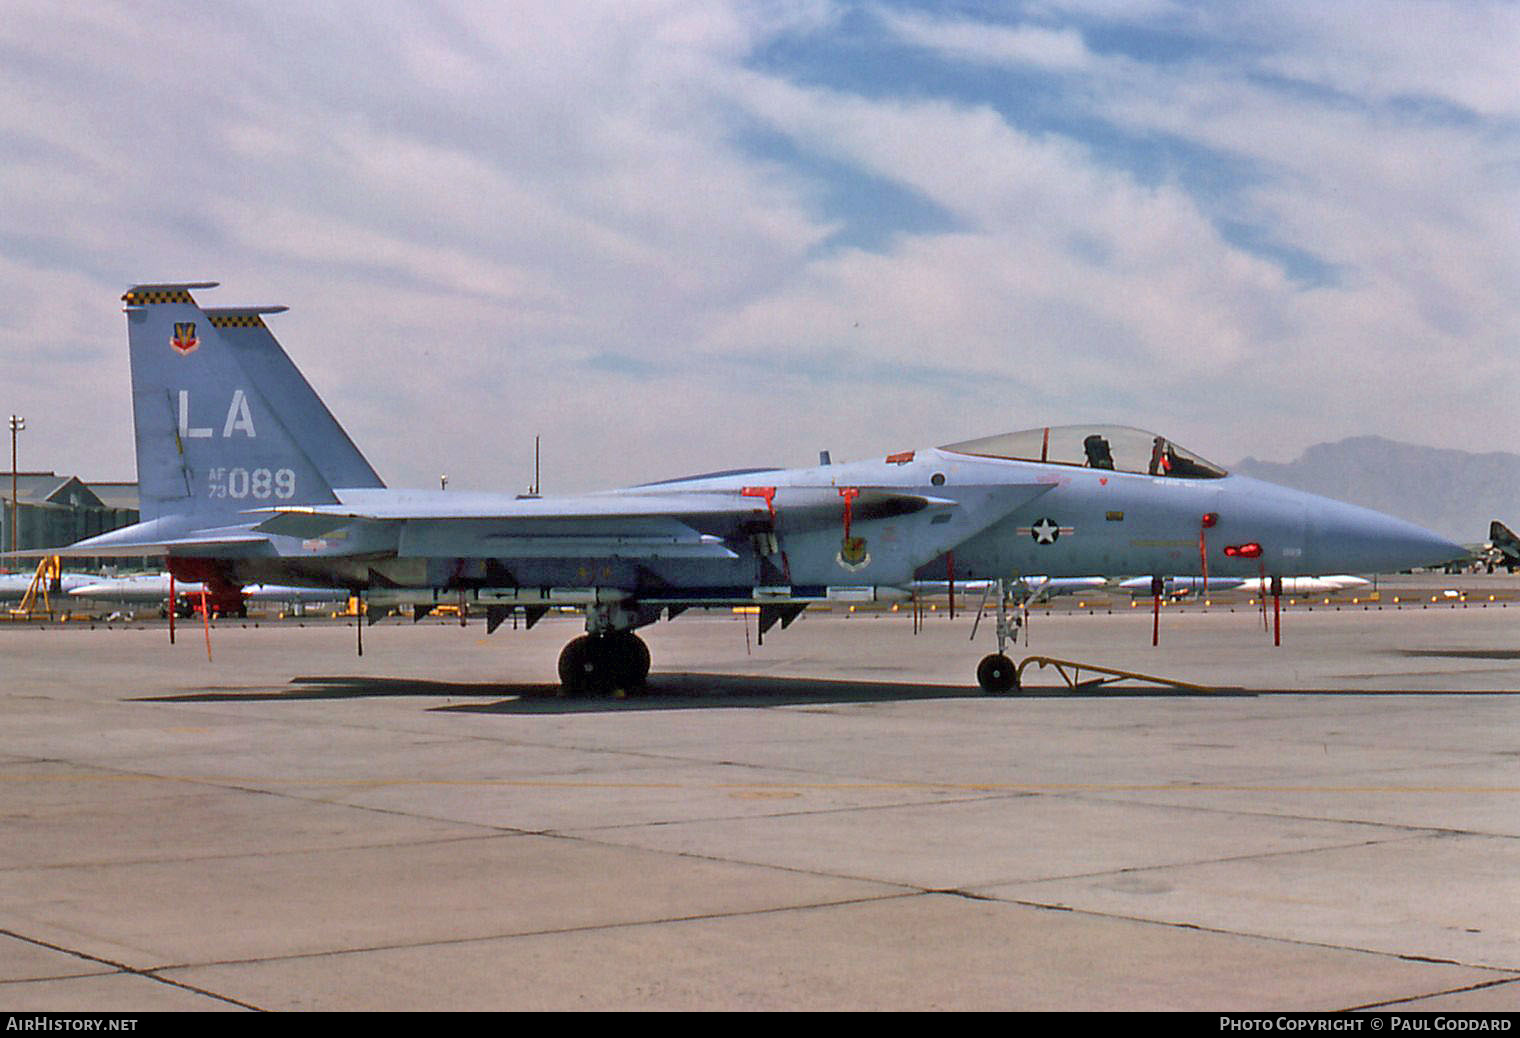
point(1117, 448)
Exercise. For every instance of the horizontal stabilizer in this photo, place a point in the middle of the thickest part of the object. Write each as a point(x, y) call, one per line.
point(158, 292)
point(223, 547)
point(162, 537)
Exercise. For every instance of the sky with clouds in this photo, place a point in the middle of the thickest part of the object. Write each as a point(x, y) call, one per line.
point(680, 236)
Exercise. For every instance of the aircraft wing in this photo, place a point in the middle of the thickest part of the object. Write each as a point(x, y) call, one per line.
point(712, 512)
point(689, 524)
point(713, 524)
point(800, 505)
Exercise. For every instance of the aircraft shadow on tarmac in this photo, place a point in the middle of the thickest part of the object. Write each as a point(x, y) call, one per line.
point(1464, 654)
point(679, 691)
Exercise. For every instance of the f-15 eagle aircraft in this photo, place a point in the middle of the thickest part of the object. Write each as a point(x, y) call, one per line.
point(246, 477)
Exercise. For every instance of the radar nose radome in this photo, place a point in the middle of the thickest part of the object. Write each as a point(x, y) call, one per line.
point(1350, 539)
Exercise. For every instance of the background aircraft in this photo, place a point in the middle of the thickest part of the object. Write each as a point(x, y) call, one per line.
point(14, 585)
point(1035, 588)
point(245, 477)
point(1178, 587)
point(1504, 547)
point(153, 589)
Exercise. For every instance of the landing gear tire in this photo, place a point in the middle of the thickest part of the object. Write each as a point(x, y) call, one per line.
point(596, 664)
point(632, 657)
point(583, 667)
point(997, 675)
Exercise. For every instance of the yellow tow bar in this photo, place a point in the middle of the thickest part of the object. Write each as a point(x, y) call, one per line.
point(1071, 673)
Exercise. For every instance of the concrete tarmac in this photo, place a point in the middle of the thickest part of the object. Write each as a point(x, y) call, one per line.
point(835, 820)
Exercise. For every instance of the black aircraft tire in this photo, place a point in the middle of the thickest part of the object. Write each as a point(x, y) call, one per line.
point(997, 674)
point(571, 678)
point(597, 664)
point(630, 659)
point(583, 668)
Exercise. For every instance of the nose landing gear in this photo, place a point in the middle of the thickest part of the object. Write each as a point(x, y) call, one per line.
point(996, 673)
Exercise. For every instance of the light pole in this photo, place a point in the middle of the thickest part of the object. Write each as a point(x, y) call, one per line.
point(17, 424)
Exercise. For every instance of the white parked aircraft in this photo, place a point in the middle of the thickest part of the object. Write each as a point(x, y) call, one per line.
point(1302, 587)
point(153, 588)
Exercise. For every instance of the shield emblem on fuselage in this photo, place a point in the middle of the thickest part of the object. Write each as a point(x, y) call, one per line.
point(853, 555)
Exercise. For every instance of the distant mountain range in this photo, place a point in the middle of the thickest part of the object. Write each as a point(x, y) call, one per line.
point(1452, 492)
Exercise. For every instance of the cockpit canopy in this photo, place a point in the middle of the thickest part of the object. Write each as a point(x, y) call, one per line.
point(1114, 447)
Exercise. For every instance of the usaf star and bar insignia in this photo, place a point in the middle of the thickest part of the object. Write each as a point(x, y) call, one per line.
point(1046, 530)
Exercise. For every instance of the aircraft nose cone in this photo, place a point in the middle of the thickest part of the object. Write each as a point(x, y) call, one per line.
point(1349, 539)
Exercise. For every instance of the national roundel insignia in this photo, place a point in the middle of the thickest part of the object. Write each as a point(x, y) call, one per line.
point(1045, 531)
point(184, 340)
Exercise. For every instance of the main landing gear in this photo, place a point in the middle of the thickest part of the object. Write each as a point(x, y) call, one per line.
point(607, 662)
point(609, 657)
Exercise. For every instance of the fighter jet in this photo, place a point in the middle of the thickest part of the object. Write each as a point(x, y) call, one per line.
point(1504, 547)
point(246, 477)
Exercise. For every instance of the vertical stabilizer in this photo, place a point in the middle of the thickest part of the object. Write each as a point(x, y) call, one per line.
point(210, 442)
point(286, 389)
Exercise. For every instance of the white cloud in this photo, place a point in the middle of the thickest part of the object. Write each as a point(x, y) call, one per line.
point(1050, 49)
point(1457, 51)
point(1409, 207)
point(546, 218)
